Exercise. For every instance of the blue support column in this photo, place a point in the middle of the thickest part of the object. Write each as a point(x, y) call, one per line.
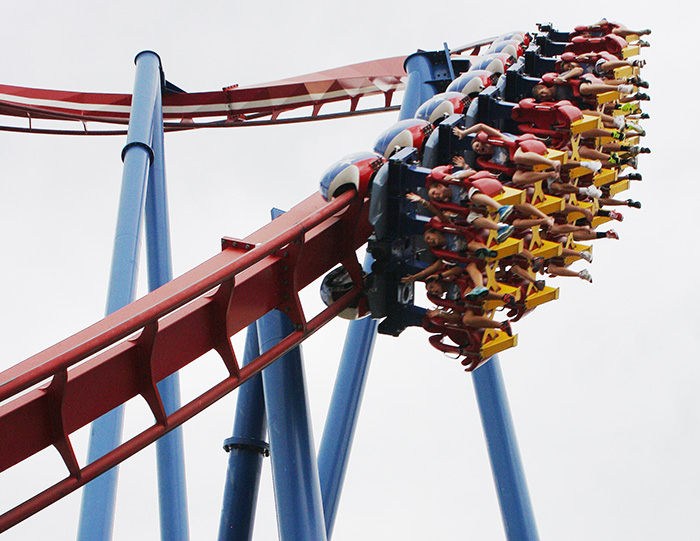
point(294, 468)
point(343, 412)
point(246, 449)
point(170, 455)
point(509, 476)
point(99, 496)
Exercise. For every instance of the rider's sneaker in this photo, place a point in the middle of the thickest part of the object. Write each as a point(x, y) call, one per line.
point(504, 232)
point(585, 275)
point(504, 212)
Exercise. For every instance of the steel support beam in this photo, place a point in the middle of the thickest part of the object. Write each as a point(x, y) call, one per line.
point(343, 412)
point(246, 449)
point(294, 467)
point(509, 476)
point(170, 456)
point(99, 496)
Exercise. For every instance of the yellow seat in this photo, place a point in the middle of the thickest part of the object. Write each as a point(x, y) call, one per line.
point(549, 204)
point(604, 140)
point(543, 248)
point(605, 176)
point(578, 247)
point(501, 289)
point(552, 154)
point(606, 97)
point(577, 172)
point(511, 196)
point(533, 297)
point(507, 248)
point(540, 297)
point(630, 50)
point(573, 216)
point(619, 186)
point(624, 72)
point(599, 220)
point(547, 250)
point(588, 122)
point(495, 341)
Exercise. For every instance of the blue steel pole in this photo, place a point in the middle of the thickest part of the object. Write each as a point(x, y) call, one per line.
point(246, 450)
point(170, 455)
point(343, 412)
point(99, 496)
point(509, 476)
point(294, 468)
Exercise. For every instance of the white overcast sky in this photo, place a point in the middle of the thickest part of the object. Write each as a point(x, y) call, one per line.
point(602, 386)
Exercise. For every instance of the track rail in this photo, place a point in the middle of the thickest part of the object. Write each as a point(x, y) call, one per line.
point(127, 353)
point(233, 106)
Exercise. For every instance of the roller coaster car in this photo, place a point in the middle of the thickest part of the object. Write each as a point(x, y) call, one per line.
point(521, 37)
point(472, 82)
point(495, 62)
point(396, 245)
point(354, 171)
point(512, 47)
point(443, 145)
point(411, 132)
point(549, 45)
point(441, 106)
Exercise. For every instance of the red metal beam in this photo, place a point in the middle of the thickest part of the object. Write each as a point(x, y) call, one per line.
point(347, 83)
point(168, 329)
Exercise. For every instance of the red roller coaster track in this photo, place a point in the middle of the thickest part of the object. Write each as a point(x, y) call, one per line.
point(146, 341)
point(231, 106)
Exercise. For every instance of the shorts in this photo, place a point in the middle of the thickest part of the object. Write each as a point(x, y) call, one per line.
point(473, 215)
point(466, 199)
point(549, 181)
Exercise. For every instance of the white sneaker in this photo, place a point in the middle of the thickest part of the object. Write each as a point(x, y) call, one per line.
point(592, 191)
point(625, 89)
point(619, 122)
point(585, 275)
point(587, 256)
point(594, 166)
point(636, 127)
